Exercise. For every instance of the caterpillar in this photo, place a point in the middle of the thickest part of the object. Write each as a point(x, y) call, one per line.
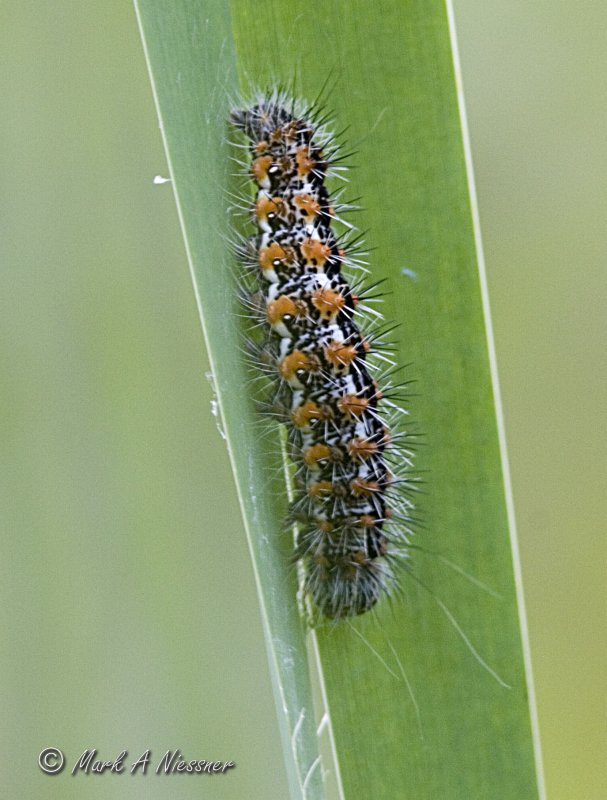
point(324, 348)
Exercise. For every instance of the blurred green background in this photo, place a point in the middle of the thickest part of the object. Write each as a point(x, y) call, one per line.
point(129, 610)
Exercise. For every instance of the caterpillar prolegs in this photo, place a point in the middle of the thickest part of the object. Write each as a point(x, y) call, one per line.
point(326, 351)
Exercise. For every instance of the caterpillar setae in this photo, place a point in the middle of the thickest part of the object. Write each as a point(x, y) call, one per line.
point(332, 378)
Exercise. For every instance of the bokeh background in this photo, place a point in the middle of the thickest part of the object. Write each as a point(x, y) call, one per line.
point(129, 616)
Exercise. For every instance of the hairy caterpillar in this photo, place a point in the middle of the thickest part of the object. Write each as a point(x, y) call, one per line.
point(332, 381)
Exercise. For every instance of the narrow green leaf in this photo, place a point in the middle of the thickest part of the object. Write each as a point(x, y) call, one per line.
point(192, 64)
point(415, 707)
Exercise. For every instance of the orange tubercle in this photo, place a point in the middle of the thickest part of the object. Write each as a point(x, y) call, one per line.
point(279, 308)
point(305, 413)
point(292, 363)
point(339, 354)
point(289, 130)
point(276, 135)
point(316, 453)
point(315, 252)
point(268, 207)
point(351, 406)
point(362, 448)
point(328, 302)
point(260, 168)
point(320, 488)
point(307, 205)
point(362, 488)
point(305, 164)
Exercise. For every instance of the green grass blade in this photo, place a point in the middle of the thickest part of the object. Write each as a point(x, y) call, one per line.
point(412, 711)
point(191, 60)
